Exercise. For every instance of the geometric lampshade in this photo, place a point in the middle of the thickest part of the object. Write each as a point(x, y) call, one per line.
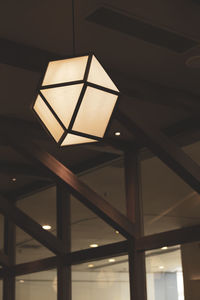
point(76, 100)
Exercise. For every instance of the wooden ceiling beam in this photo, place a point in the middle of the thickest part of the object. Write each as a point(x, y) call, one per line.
point(25, 57)
point(23, 169)
point(31, 227)
point(34, 59)
point(169, 238)
point(81, 191)
point(172, 155)
point(73, 258)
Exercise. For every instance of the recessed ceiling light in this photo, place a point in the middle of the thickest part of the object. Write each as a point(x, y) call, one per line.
point(14, 179)
point(111, 260)
point(116, 231)
point(161, 267)
point(94, 245)
point(21, 281)
point(117, 133)
point(90, 266)
point(164, 248)
point(46, 227)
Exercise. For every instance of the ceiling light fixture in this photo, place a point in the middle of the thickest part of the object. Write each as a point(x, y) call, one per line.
point(76, 99)
point(116, 231)
point(111, 260)
point(94, 245)
point(14, 179)
point(21, 281)
point(161, 267)
point(164, 248)
point(46, 227)
point(90, 266)
point(117, 133)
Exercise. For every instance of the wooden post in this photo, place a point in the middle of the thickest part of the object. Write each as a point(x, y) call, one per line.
point(9, 249)
point(63, 233)
point(137, 272)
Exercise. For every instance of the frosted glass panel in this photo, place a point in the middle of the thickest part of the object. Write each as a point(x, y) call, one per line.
point(164, 274)
point(72, 139)
point(63, 100)
point(65, 70)
point(37, 286)
point(104, 279)
point(95, 112)
point(99, 76)
point(48, 119)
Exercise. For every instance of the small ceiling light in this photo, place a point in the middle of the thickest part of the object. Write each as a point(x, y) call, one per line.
point(161, 267)
point(164, 248)
point(94, 245)
point(111, 260)
point(14, 179)
point(76, 100)
point(116, 231)
point(117, 133)
point(90, 266)
point(21, 281)
point(46, 227)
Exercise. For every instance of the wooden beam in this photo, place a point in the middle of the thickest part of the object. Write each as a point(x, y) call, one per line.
point(22, 169)
point(10, 250)
point(4, 259)
point(80, 190)
point(169, 238)
point(73, 258)
point(102, 252)
point(34, 59)
point(163, 147)
point(153, 92)
point(64, 280)
point(137, 270)
point(30, 226)
point(26, 57)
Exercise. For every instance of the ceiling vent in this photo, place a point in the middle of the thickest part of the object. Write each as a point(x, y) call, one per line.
point(139, 29)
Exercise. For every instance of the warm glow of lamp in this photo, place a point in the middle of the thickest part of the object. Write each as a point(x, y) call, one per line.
point(76, 100)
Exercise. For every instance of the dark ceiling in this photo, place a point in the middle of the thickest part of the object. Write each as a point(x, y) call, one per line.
point(144, 46)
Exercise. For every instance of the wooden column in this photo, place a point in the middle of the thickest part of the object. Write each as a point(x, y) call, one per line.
point(137, 272)
point(9, 249)
point(63, 233)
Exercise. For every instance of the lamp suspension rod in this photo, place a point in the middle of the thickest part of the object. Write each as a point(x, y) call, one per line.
point(73, 28)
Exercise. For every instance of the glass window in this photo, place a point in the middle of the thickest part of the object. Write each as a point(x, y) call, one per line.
point(164, 274)
point(41, 285)
point(168, 202)
point(105, 279)
point(41, 207)
point(109, 182)
point(28, 249)
point(88, 229)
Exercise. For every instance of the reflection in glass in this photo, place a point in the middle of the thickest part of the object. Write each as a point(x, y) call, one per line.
point(41, 285)
point(104, 279)
point(164, 274)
